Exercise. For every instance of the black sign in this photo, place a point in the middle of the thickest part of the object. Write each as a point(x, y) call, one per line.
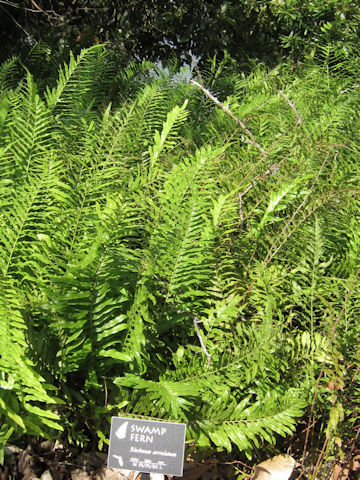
point(147, 446)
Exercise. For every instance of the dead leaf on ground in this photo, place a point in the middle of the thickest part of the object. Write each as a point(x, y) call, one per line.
point(276, 468)
point(79, 474)
point(112, 474)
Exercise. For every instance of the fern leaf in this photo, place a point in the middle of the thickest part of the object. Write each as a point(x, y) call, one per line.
point(166, 140)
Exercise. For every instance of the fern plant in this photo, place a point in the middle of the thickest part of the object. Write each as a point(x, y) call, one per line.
point(148, 270)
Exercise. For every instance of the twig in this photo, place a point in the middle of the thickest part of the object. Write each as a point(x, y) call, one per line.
point(237, 461)
point(15, 5)
point(197, 70)
point(355, 374)
point(14, 20)
point(226, 109)
point(106, 393)
point(270, 255)
point(292, 106)
point(240, 209)
point(318, 464)
point(269, 171)
point(51, 14)
point(207, 354)
point(46, 12)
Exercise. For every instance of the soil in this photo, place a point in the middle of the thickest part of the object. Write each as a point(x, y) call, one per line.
point(54, 461)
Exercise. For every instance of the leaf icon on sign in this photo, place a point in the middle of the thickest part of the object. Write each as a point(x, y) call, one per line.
point(121, 431)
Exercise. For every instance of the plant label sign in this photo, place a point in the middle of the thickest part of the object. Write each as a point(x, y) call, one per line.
point(147, 446)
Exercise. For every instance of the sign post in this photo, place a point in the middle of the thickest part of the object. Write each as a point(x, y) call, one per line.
point(147, 446)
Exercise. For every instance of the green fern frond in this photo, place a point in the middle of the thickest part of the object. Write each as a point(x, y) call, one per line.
point(167, 139)
point(78, 85)
point(150, 113)
point(30, 124)
point(197, 284)
point(20, 382)
point(9, 75)
point(274, 414)
point(24, 223)
point(181, 243)
point(172, 399)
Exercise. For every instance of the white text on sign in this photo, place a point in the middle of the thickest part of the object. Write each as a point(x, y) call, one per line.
point(145, 434)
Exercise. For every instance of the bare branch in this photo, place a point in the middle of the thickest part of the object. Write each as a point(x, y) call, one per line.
point(241, 213)
point(292, 106)
point(197, 70)
point(207, 354)
point(14, 20)
point(226, 109)
point(50, 14)
point(15, 5)
point(270, 171)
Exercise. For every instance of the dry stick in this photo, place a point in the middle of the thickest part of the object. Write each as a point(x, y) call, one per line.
point(252, 140)
point(237, 461)
point(354, 376)
point(332, 335)
point(208, 356)
point(106, 393)
point(317, 467)
point(269, 171)
point(259, 162)
point(37, 8)
point(14, 20)
point(240, 209)
point(299, 118)
point(292, 106)
point(15, 5)
point(45, 12)
point(197, 70)
point(246, 130)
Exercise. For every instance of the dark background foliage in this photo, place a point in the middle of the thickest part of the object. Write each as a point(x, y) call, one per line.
point(155, 29)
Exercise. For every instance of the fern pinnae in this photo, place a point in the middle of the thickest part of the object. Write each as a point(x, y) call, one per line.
point(167, 138)
point(75, 92)
point(22, 376)
point(229, 364)
point(30, 125)
point(9, 71)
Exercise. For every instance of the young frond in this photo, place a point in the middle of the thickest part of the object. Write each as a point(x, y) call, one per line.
point(29, 125)
point(167, 139)
point(79, 84)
